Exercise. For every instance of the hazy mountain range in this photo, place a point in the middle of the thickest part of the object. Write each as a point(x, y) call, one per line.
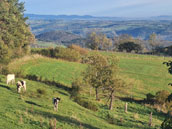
point(89, 17)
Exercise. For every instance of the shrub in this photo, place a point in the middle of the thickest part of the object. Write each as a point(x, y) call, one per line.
point(66, 54)
point(59, 53)
point(150, 98)
point(4, 70)
point(76, 88)
point(81, 50)
point(167, 123)
point(87, 104)
point(130, 47)
point(161, 96)
point(41, 91)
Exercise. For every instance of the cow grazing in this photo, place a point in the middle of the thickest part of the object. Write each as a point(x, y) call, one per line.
point(21, 84)
point(55, 102)
point(10, 79)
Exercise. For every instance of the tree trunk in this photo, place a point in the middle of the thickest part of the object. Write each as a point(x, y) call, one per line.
point(111, 100)
point(97, 96)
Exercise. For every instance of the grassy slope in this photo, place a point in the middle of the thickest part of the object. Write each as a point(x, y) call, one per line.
point(147, 69)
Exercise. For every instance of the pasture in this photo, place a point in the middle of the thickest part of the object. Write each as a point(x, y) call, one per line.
point(34, 110)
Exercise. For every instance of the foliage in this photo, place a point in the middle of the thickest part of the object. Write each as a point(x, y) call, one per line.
point(59, 53)
point(41, 91)
point(15, 36)
point(85, 103)
point(161, 96)
point(98, 41)
point(129, 47)
point(167, 123)
point(150, 98)
point(128, 43)
point(81, 50)
point(93, 74)
point(76, 88)
point(154, 42)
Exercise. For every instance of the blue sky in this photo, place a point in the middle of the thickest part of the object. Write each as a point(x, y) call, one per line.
point(119, 8)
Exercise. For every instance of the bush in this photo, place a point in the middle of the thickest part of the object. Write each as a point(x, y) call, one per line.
point(41, 91)
point(167, 123)
point(150, 98)
point(161, 96)
point(4, 70)
point(59, 53)
point(81, 50)
point(130, 47)
point(111, 119)
point(66, 54)
point(76, 88)
point(87, 104)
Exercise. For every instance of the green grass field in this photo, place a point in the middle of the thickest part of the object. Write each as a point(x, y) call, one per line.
point(32, 110)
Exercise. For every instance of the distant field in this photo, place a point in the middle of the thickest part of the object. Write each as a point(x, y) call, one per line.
point(61, 71)
point(148, 71)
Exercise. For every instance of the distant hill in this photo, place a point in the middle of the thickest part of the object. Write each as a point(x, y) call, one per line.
point(60, 37)
point(89, 17)
point(71, 17)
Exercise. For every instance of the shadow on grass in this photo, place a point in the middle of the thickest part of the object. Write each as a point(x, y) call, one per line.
point(65, 119)
point(5, 87)
point(32, 103)
point(63, 93)
point(48, 82)
point(127, 99)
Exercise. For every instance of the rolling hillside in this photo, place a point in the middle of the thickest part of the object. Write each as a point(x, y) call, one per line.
point(33, 110)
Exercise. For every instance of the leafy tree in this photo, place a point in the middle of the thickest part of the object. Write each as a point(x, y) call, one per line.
point(93, 41)
point(98, 41)
point(129, 47)
point(105, 42)
point(111, 81)
point(128, 43)
point(15, 36)
point(93, 74)
point(154, 41)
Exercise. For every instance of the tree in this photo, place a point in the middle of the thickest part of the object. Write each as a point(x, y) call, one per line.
point(15, 36)
point(93, 41)
point(154, 41)
point(128, 43)
point(105, 42)
point(93, 74)
point(112, 83)
point(98, 41)
point(129, 47)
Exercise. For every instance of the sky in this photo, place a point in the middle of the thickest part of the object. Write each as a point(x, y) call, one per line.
point(110, 8)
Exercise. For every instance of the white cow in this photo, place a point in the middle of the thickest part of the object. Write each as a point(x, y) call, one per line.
point(21, 84)
point(10, 79)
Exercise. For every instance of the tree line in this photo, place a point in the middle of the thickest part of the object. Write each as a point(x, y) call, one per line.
point(124, 43)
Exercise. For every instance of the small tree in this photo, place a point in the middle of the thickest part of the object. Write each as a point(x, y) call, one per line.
point(98, 41)
point(93, 41)
point(129, 47)
point(154, 42)
point(93, 74)
point(105, 42)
